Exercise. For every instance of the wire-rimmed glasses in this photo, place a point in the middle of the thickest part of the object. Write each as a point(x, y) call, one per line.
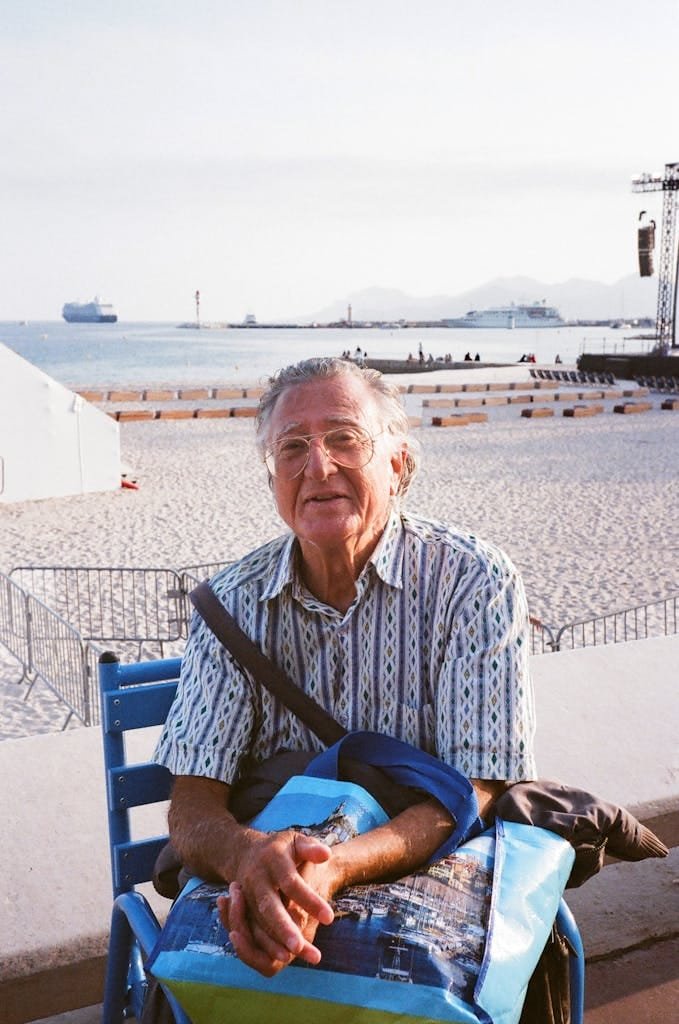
point(350, 447)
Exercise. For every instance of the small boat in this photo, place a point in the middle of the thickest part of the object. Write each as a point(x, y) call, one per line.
point(396, 959)
point(380, 910)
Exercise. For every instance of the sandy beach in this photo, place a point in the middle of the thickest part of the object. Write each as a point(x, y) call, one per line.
point(586, 508)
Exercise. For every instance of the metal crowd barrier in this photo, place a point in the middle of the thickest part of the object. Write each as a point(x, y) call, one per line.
point(202, 572)
point(49, 649)
point(53, 620)
point(59, 658)
point(191, 576)
point(136, 606)
point(14, 626)
point(655, 618)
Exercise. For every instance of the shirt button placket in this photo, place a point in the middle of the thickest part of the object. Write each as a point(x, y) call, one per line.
point(341, 656)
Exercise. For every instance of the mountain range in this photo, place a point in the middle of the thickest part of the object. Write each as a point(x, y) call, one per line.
point(631, 297)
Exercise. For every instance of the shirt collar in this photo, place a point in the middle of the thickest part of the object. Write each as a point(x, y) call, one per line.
point(285, 570)
point(387, 559)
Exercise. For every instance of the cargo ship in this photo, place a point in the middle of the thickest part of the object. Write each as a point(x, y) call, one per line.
point(534, 314)
point(95, 312)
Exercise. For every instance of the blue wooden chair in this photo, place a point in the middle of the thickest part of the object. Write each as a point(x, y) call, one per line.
point(137, 696)
point(132, 697)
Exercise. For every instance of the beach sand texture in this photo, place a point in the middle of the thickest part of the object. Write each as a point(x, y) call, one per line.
point(587, 509)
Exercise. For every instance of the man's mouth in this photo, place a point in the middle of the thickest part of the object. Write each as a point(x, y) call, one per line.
point(323, 498)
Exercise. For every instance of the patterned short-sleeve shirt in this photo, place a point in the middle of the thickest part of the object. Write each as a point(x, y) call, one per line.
point(433, 650)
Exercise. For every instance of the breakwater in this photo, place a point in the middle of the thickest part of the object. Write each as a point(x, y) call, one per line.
point(415, 366)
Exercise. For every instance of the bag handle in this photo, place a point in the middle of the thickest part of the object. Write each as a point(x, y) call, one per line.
point(413, 769)
point(249, 656)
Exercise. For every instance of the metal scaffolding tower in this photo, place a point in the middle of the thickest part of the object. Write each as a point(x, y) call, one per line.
point(665, 326)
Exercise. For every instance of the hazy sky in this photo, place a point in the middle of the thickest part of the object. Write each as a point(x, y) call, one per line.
point(280, 154)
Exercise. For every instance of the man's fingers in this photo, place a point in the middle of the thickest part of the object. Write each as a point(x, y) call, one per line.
point(253, 944)
point(263, 941)
point(254, 957)
point(272, 911)
point(309, 848)
point(294, 889)
point(223, 907)
point(273, 929)
point(237, 919)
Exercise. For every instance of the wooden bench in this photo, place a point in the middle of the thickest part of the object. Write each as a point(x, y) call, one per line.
point(628, 408)
point(535, 412)
point(578, 411)
point(456, 420)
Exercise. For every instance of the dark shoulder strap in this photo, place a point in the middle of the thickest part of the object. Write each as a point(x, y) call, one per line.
point(249, 656)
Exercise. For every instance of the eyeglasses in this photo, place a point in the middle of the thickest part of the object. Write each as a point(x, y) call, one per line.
point(350, 447)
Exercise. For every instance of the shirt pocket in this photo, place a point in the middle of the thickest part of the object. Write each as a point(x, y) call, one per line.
point(414, 724)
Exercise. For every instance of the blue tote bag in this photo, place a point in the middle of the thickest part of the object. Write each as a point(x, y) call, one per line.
point(456, 941)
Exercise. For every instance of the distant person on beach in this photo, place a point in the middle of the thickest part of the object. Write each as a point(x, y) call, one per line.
point(477, 358)
point(467, 357)
point(396, 623)
point(420, 352)
point(557, 360)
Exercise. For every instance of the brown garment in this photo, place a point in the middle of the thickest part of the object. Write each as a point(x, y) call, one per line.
point(548, 996)
point(592, 826)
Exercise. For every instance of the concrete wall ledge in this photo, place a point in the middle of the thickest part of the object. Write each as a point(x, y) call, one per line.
point(606, 723)
point(54, 917)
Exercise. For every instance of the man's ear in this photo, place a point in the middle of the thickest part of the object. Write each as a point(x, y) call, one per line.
point(398, 463)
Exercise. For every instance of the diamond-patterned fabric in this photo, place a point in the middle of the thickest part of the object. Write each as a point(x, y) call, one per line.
point(433, 650)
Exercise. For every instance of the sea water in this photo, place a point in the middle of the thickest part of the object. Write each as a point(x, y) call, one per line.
point(145, 354)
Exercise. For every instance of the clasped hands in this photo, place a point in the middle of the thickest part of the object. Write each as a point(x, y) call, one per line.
point(281, 893)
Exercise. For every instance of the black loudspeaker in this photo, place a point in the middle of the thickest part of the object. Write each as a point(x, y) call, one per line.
point(646, 244)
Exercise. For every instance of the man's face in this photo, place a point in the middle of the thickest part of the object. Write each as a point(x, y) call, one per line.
point(330, 507)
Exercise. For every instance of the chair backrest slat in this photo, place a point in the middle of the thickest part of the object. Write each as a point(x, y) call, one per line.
point(136, 785)
point(133, 862)
point(138, 708)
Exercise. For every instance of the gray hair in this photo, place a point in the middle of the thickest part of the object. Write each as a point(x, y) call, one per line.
point(394, 419)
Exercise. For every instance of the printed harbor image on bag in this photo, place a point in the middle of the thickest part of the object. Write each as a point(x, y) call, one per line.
point(456, 941)
point(426, 929)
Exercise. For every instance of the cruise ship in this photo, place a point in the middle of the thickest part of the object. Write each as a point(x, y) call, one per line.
point(95, 312)
point(535, 314)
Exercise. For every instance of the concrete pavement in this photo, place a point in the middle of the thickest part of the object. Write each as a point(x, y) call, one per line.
point(598, 728)
point(638, 987)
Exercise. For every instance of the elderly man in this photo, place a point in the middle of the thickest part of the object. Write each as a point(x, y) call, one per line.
point(394, 623)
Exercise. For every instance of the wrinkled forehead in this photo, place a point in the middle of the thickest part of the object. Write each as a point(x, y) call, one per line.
point(322, 404)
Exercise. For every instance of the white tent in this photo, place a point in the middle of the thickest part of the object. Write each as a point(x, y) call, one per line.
point(52, 442)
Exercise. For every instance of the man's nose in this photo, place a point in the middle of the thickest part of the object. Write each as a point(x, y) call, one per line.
point(319, 462)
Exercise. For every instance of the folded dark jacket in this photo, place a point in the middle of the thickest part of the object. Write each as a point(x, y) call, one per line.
point(592, 826)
